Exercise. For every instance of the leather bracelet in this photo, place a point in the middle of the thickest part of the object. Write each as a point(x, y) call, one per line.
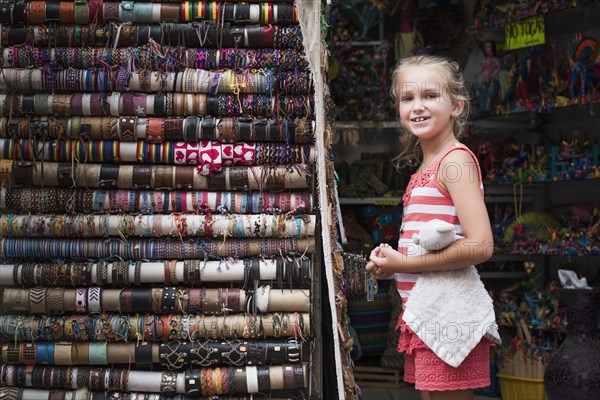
point(18, 12)
point(98, 353)
point(95, 9)
point(142, 300)
point(65, 175)
point(23, 173)
point(126, 301)
point(143, 355)
point(256, 353)
point(109, 174)
point(80, 353)
point(238, 178)
point(240, 381)
point(66, 12)
point(126, 11)
point(45, 353)
point(190, 130)
point(37, 13)
point(11, 353)
point(192, 383)
point(264, 379)
point(28, 104)
point(195, 301)
point(126, 128)
point(159, 104)
point(27, 353)
point(168, 299)
point(37, 300)
point(142, 13)
point(52, 11)
point(163, 177)
point(289, 382)
point(80, 13)
point(168, 383)
point(226, 131)
point(208, 128)
point(62, 354)
point(155, 130)
point(142, 176)
point(184, 176)
point(174, 129)
point(299, 376)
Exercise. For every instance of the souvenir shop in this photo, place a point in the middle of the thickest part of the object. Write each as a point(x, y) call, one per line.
point(534, 77)
point(189, 192)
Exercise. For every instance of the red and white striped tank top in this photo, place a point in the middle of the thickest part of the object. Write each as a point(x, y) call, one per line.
point(424, 200)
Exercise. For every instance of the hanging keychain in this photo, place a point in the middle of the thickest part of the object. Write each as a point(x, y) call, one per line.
point(371, 286)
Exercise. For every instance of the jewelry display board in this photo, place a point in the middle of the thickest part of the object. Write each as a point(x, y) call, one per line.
point(157, 209)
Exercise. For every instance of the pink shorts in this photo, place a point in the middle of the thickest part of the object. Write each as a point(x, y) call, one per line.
point(428, 372)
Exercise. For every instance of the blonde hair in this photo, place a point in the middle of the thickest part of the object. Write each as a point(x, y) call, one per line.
point(455, 88)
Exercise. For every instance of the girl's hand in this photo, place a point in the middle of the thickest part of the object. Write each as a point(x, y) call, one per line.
point(387, 260)
point(375, 267)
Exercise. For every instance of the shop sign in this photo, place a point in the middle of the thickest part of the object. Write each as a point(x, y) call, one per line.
point(526, 33)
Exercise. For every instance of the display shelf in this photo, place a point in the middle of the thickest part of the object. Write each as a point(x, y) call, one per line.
point(368, 125)
point(502, 275)
point(583, 16)
point(530, 119)
point(536, 186)
point(358, 43)
point(376, 201)
point(512, 257)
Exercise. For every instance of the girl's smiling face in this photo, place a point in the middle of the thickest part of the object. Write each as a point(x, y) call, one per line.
point(425, 107)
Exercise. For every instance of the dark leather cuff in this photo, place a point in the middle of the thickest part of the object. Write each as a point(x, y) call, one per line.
point(141, 300)
point(174, 129)
point(143, 355)
point(23, 173)
point(142, 176)
point(236, 35)
point(208, 129)
point(267, 34)
point(169, 298)
point(125, 300)
point(18, 12)
point(159, 105)
point(288, 377)
point(52, 11)
point(256, 353)
point(16, 35)
point(143, 34)
point(240, 380)
point(191, 129)
point(184, 176)
point(155, 34)
point(255, 36)
point(109, 174)
point(299, 376)
point(238, 178)
point(6, 10)
point(264, 379)
point(192, 383)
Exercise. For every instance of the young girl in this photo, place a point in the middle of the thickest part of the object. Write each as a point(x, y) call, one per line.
point(432, 103)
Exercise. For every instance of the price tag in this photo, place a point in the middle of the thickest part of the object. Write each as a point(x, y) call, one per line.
point(529, 32)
